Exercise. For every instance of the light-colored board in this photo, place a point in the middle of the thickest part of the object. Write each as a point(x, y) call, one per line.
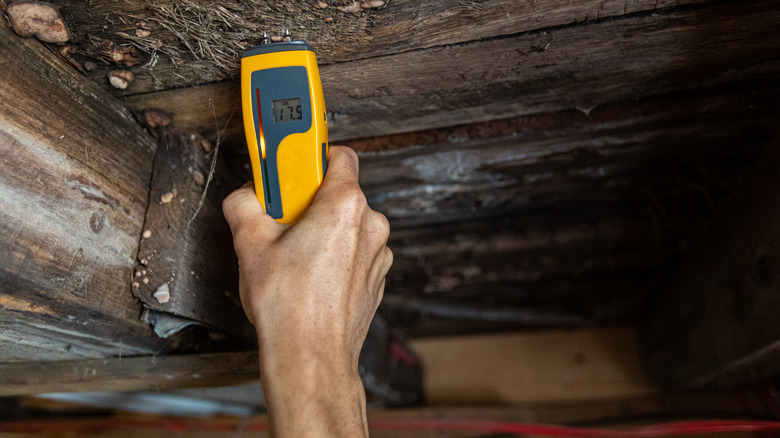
point(543, 366)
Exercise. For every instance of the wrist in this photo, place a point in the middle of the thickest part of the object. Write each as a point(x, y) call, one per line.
point(311, 397)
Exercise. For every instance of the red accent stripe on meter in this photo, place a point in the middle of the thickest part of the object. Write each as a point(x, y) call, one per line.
point(260, 135)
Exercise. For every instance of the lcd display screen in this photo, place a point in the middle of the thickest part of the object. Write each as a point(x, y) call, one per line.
point(287, 110)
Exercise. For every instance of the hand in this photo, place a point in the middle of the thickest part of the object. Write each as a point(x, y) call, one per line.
point(311, 289)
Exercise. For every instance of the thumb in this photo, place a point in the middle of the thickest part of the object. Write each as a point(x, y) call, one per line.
point(242, 208)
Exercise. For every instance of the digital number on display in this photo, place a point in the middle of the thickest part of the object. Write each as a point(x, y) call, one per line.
point(287, 110)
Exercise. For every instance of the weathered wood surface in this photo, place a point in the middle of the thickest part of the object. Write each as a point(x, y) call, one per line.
point(188, 245)
point(74, 179)
point(563, 68)
point(718, 321)
point(199, 42)
point(564, 215)
point(151, 373)
point(225, 369)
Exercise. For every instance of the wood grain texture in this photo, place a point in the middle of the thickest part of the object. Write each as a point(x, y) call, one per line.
point(198, 42)
point(74, 179)
point(613, 366)
point(563, 68)
point(562, 214)
point(189, 246)
point(139, 373)
point(717, 322)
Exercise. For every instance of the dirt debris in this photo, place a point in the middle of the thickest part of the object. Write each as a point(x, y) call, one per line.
point(369, 4)
point(352, 8)
point(38, 19)
point(162, 294)
point(167, 197)
point(198, 177)
point(120, 79)
point(154, 118)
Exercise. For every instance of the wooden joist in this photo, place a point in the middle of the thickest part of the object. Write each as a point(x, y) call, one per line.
point(717, 324)
point(74, 180)
point(194, 44)
point(561, 68)
point(564, 213)
point(610, 372)
point(150, 373)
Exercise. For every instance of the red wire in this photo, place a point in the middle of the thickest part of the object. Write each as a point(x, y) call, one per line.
point(658, 430)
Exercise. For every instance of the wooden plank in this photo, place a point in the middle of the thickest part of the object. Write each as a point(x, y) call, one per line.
point(188, 245)
point(681, 49)
point(74, 179)
point(152, 373)
point(614, 367)
point(198, 43)
point(567, 158)
point(547, 366)
point(557, 214)
point(717, 322)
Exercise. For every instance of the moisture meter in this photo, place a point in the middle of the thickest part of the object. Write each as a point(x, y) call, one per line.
point(285, 125)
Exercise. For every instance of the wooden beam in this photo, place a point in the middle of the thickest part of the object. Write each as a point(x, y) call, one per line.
point(561, 213)
point(185, 56)
point(187, 245)
point(150, 373)
point(678, 49)
point(717, 322)
point(74, 181)
point(603, 361)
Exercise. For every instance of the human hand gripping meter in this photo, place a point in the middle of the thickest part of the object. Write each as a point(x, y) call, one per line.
point(285, 125)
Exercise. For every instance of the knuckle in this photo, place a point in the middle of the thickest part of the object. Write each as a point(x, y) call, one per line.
point(352, 200)
point(382, 225)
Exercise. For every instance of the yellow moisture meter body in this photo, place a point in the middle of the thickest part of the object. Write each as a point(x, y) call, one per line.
point(285, 125)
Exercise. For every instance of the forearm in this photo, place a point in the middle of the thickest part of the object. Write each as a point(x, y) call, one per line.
point(306, 396)
point(311, 290)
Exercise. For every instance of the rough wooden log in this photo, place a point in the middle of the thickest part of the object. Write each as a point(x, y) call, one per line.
point(187, 247)
point(568, 160)
point(186, 43)
point(484, 215)
point(717, 322)
point(74, 180)
point(682, 49)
